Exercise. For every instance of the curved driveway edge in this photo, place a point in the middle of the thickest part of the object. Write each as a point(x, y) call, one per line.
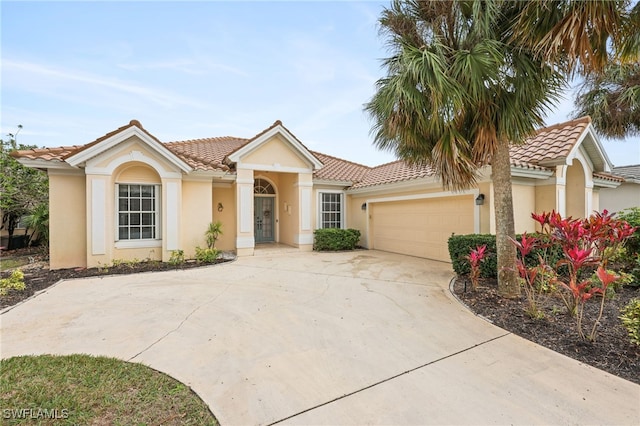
point(361, 337)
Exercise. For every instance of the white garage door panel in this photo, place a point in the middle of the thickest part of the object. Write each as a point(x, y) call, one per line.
point(421, 227)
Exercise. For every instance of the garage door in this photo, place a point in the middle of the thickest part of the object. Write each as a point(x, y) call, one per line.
point(420, 227)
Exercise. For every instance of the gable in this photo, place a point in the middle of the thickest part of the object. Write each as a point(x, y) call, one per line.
point(275, 152)
point(274, 149)
point(132, 133)
point(128, 152)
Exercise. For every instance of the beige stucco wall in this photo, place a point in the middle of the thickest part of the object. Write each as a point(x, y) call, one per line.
point(275, 152)
point(67, 221)
point(545, 198)
point(524, 203)
point(620, 198)
point(287, 218)
point(358, 218)
point(575, 190)
point(224, 193)
point(197, 205)
point(485, 209)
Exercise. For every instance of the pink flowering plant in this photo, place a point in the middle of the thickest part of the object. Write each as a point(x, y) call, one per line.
point(475, 257)
point(586, 244)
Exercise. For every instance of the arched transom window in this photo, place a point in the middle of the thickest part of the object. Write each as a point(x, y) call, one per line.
point(261, 186)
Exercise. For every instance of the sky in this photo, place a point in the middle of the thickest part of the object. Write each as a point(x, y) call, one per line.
point(73, 71)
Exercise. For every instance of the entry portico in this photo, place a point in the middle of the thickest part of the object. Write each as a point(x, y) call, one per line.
point(273, 185)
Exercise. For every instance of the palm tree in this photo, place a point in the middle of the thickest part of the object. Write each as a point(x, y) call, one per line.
point(612, 99)
point(458, 92)
point(600, 40)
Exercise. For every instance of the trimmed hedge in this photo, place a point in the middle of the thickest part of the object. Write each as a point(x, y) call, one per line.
point(461, 245)
point(332, 239)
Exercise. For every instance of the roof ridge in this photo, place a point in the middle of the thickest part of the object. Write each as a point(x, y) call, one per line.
point(586, 119)
point(212, 138)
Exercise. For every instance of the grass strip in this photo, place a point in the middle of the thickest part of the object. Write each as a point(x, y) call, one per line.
point(83, 389)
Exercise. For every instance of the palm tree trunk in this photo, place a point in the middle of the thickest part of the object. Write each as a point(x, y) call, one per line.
point(508, 285)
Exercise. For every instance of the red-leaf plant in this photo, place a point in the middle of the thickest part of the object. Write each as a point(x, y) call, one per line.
point(476, 256)
point(585, 242)
point(538, 280)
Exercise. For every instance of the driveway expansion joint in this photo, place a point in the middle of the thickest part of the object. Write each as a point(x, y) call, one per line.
point(185, 319)
point(388, 379)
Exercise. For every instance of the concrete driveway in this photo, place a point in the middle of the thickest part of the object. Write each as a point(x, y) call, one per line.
point(321, 338)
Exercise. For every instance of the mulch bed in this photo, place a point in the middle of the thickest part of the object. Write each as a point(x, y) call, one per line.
point(37, 275)
point(612, 351)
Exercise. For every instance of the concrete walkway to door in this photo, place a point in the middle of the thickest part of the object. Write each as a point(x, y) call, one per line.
point(364, 337)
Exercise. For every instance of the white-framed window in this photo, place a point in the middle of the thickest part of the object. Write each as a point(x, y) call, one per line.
point(138, 215)
point(331, 210)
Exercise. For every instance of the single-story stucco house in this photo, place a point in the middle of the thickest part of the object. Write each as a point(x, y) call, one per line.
point(128, 195)
point(627, 194)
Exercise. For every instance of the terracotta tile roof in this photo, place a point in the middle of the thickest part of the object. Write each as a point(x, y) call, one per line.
point(339, 169)
point(550, 143)
point(396, 171)
point(47, 154)
point(609, 177)
point(108, 135)
point(628, 172)
point(206, 154)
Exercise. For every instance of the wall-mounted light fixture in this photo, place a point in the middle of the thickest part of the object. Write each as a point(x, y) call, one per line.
point(480, 200)
point(220, 207)
point(363, 206)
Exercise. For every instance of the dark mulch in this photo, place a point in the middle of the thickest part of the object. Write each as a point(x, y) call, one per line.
point(612, 351)
point(37, 275)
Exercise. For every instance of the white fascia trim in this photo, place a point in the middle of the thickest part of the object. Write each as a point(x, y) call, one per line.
point(202, 175)
point(602, 183)
point(406, 185)
point(99, 148)
point(340, 183)
point(65, 172)
point(277, 130)
point(442, 194)
point(530, 173)
point(272, 168)
point(138, 244)
point(45, 164)
point(303, 184)
point(596, 142)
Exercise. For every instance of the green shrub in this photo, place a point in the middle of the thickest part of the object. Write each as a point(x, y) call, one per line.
point(632, 216)
point(14, 281)
point(461, 245)
point(630, 316)
point(332, 239)
point(206, 255)
point(177, 257)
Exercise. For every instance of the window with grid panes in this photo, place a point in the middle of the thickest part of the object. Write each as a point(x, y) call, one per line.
point(137, 212)
point(331, 210)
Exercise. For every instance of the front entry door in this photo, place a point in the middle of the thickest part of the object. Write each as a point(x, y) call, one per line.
point(264, 220)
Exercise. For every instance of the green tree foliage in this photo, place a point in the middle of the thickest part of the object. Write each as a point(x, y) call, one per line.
point(458, 91)
point(24, 190)
point(598, 39)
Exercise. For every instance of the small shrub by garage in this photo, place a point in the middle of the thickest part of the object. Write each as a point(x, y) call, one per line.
point(332, 239)
point(461, 245)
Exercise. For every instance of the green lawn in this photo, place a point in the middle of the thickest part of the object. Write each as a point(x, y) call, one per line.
point(82, 389)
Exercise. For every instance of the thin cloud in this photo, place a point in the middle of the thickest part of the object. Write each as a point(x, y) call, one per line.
point(153, 95)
